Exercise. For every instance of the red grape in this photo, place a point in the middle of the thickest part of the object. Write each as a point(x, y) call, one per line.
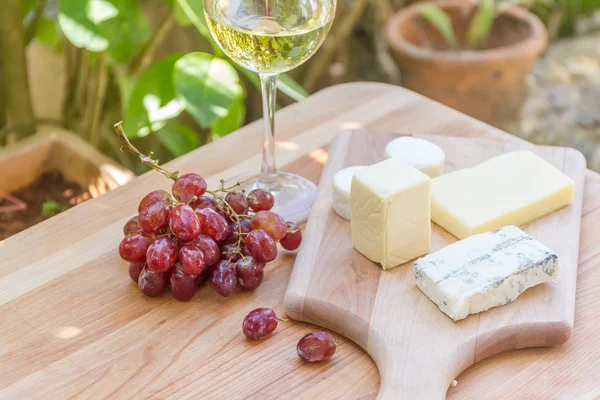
point(154, 218)
point(249, 272)
point(184, 223)
point(204, 202)
point(203, 277)
point(209, 247)
point(189, 186)
point(152, 283)
point(292, 238)
point(230, 252)
point(132, 225)
point(183, 285)
point(238, 202)
point(135, 269)
point(234, 231)
point(134, 246)
point(269, 222)
point(260, 200)
point(162, 254)
point(212, 224)
point(261, 245)
point(157, 196)
point(316, 346)
point(192, 259)
point(223, 278)
point(259, 323)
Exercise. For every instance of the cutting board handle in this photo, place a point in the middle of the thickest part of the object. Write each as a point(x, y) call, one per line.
point(399, 383)
point(418, 391)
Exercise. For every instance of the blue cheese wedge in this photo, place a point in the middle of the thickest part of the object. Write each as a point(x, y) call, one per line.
point(484, 271)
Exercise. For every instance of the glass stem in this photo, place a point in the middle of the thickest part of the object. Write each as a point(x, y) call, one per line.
point(269, 91)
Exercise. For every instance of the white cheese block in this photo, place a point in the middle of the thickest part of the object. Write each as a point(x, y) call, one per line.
point(342, 181)
point(425, 156)
point(510, 189)
point(486, 270)
point(390, 220)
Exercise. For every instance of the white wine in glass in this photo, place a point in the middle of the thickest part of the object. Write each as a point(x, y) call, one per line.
point(270, 37)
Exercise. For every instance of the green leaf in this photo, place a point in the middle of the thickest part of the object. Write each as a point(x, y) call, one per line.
point(232, 121)
point(289, 86)
point(48, 34)
point(208, 85)
point(194, 11)
point(118, 26)
point(480, 26)
point(50, 208)
point(285, 83)
point(180, 16)
point(153, 100)
point(441, 21)
point(78, 27)
point(178, 139)
point(126, 84)
point(27, 6)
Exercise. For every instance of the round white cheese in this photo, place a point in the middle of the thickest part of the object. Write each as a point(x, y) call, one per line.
point(342, 181)
point(425, 156)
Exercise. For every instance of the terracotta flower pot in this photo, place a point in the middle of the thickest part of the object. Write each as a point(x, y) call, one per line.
point(488, 84)
point(50, 149)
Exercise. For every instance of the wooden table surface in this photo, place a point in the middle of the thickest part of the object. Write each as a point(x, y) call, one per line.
point(74, 325)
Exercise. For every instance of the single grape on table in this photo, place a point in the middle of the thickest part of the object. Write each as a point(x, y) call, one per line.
point(181, 239)
point(316, 346)
point(259, 323)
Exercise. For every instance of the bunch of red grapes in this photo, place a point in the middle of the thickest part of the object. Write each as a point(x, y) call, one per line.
point(181, 240)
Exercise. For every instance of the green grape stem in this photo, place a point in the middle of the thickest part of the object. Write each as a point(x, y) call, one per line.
point(128, 147)
point(146, 159)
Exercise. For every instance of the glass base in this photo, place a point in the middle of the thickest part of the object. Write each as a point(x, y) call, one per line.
point(294, 195)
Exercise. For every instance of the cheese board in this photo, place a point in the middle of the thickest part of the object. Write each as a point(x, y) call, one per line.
point(418, 350)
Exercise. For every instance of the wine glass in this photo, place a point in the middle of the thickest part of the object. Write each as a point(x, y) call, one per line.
point(270, 37)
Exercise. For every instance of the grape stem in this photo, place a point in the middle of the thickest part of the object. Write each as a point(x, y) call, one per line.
point(227, 189)
point(128, 147)
point(289, 229)
point(235, 217)
point(146, 159)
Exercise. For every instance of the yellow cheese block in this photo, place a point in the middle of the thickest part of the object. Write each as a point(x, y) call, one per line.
point(511, 189)
point(390, 213)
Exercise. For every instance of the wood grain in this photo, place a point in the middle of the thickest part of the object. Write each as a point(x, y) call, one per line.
point(73, 325)
point(417, 348)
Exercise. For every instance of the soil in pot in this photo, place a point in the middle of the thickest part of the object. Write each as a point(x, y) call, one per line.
point(47, 196)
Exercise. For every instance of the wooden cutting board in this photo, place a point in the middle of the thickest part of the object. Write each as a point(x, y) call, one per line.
point(418, 349)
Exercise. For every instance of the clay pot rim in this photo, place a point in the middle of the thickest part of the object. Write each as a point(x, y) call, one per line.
point(533, 45)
